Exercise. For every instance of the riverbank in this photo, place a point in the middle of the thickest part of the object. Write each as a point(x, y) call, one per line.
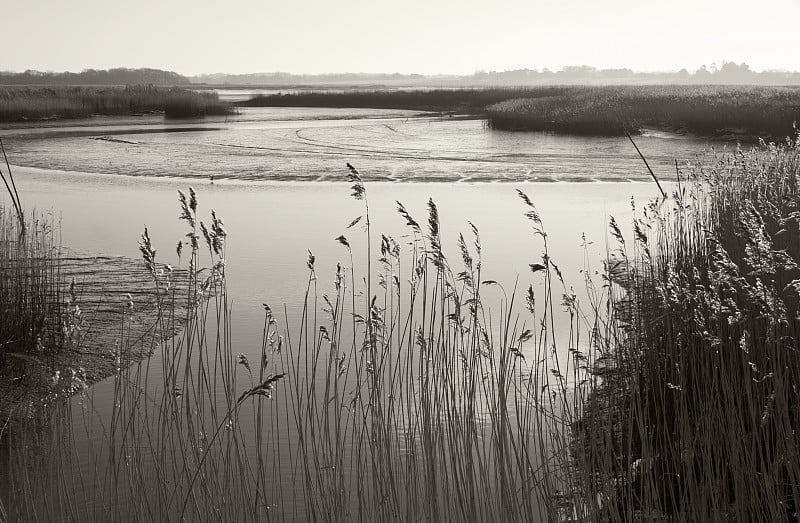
point(21, 104)
point(716, 111)
point(738, 112)
point(72, 320)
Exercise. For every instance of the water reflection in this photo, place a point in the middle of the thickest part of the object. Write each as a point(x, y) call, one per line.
point(268, 192)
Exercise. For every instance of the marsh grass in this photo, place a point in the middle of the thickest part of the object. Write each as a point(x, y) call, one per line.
point(31, 304)
point(694, 417)
point(42, 103)
point(469, 101)
point(136, 460)
point(742, 111)
point(709, 110)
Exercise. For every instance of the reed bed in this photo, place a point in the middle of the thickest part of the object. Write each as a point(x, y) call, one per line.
point(44, 103)
point(742, 111)
point(31, 304)
point(468, 101)
point(139, 459)
point(710, 110)
point(694, 414)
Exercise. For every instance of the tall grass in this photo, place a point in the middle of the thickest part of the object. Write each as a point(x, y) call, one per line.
point(31, 305)
point(706, 110)
point(41, 103)
point(140, 459)
point(420, 402)
point(694, 417)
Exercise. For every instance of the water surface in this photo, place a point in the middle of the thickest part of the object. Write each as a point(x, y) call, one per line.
point(279, 184)
point(301, 144)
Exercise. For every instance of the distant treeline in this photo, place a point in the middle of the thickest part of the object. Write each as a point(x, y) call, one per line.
point(19, 104)
point(729, 73)
point(746, 112)
point(279, 78)
point(119, 76)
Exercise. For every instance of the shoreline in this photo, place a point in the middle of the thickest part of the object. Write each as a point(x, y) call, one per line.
point(113, 332)
point(742, 113)
point(236, 182)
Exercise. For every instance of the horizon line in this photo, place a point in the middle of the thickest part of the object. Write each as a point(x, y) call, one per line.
point(584, 68)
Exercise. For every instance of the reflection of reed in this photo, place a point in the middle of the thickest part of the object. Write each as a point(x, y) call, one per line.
point(40, 462)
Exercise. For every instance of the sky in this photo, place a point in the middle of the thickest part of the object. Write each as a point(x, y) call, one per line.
point(406, 36)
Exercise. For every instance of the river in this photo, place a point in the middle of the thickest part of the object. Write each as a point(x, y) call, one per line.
point(278, 178)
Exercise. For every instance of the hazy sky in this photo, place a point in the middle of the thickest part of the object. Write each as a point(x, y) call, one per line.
point(425, 36)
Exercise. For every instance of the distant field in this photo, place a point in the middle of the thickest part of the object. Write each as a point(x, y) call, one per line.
point(19, 104)
point(741, 111)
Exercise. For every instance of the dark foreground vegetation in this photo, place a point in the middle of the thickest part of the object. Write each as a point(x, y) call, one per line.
point(19, 104)
point(725, 111)
point(31, 304)
point(694, 415)
point(414, 388)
